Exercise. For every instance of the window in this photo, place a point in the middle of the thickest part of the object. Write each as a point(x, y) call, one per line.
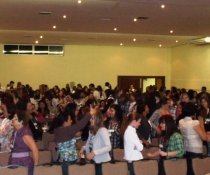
point(34, 49)
point(25, 49)
point(10, 49)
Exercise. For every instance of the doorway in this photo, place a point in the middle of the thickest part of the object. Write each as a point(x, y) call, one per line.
point(140, 82)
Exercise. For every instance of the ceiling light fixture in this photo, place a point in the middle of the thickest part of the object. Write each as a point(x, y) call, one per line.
point(36, 41)
point(41, 36)
point(115, 29)
point(171, 31)
point(177, 41)
point(160, 45)
point(54, 27)
point(207, 39)
point(64, 16)
point(163, 6)
point(134, 39)
point(79, 1)
point(121, 44)
point(135, 19)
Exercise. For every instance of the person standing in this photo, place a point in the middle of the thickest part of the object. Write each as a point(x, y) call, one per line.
point(132, 145)
point(23, 143)
point(98, 144)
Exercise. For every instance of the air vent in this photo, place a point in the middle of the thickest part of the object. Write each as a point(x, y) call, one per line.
point(142, 18)
point(45, 13)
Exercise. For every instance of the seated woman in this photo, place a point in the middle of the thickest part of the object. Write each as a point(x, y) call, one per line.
point(98, 144)
point(171, 142)
point(23, 143)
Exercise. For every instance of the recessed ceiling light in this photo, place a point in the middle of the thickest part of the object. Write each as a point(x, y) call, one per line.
point(36, 41)
point(207, 39)
point(135, 19)
point(171, 31)
point(54, 27)
point(115, 29)
point(121, 44)
point(134, 39)
point(64, 16)
point(79, 1)
point(160, 45)
point(177, 41)
point(41, 36)
point(163, 6)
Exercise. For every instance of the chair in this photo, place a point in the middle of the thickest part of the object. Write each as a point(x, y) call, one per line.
point(149, 150)
point(146, 167)
point(39, 145)
point(175, 167)
point(52, 149)
point(46, 139)
point(114, 169)
point(155, 142)
point(87, 169)
point(48, 170)
point(4, 158)
point(201, 166)
point(118, 154)
point(45, 157)
point(16, 171)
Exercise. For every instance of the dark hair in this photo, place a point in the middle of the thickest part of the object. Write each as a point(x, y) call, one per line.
point(188, 109)
point(118, 112)
point(22, 116)
point(141, 107)
point(170, 125)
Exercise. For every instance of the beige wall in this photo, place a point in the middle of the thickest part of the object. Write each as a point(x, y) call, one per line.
point(85, 64)
point(190, 66)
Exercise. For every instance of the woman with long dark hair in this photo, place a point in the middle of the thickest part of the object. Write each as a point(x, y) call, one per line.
point(171, 142)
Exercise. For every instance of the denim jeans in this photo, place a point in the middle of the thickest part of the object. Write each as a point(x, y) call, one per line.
point(65, 167)
point(208, 149)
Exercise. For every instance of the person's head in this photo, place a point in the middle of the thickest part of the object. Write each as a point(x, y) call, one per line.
point(188, 110)
point(204, 102)
point(19, 119)
point(96, 122)
point(134, 120)
point(115, 112)
point(167, 125)
point(203, 89)
point(164, 102)
point(185, 97)
point(143, 108)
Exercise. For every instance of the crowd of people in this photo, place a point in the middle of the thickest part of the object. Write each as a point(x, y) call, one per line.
point(105, 119)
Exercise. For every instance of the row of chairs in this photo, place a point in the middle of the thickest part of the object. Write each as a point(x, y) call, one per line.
point(145, 167)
